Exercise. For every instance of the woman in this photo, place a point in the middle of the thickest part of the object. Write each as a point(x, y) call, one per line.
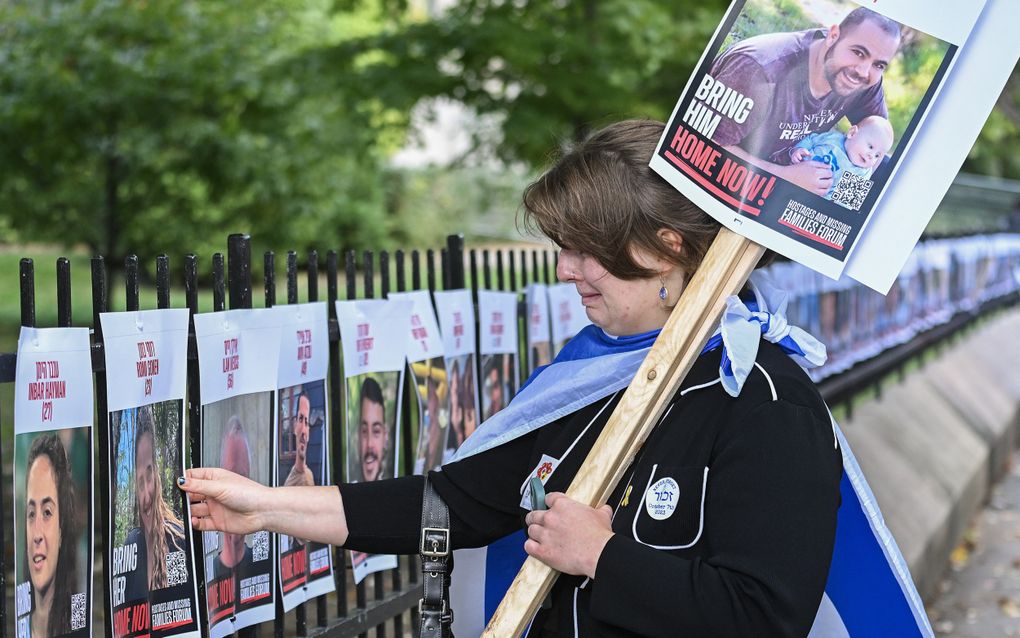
point(723, 525)
point(161, 530)
point(50, 530)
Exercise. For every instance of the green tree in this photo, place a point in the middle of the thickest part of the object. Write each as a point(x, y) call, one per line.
point(159, 126)
point(546, 70)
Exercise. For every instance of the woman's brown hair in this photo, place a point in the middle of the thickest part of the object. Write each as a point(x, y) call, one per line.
point(601, 198)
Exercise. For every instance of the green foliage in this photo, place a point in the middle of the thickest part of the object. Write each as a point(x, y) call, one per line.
point(149, 126)
point(548, 70)
point(757, 18)
point(909, 76)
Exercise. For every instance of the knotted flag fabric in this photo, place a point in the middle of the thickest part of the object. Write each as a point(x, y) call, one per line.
point(869, 590)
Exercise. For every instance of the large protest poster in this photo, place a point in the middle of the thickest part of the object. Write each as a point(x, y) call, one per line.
point(536, 299)
point(456, 314)
point(429, 379)
point(302, 444)
point(373, 336)
point(497, 349)
point(567, 314)
point(792, 134)
point(152, 579)
point(53, 483)
point(238, 356)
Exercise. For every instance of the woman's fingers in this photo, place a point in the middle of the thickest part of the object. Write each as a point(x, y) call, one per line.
point(200, 509)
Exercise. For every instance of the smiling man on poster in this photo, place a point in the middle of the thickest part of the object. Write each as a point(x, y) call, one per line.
point(799, 83)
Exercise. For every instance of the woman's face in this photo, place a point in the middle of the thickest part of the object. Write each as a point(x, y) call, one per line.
point(618, 306)
point(42, 524)
point(145, 481)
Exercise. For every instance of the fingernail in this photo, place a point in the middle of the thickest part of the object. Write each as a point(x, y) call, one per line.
point(181, 480)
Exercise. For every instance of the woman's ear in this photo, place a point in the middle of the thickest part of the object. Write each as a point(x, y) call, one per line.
point(671, 238)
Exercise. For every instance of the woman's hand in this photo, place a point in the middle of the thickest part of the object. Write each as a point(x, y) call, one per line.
point(225, 502)
point(569, 536)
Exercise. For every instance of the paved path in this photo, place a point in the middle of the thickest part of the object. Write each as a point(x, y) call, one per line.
point(980, 597)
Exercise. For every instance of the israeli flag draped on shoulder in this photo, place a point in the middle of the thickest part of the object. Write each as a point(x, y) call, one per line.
point(869, 590)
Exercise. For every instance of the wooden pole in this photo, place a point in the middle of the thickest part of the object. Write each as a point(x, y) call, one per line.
point(727, 265)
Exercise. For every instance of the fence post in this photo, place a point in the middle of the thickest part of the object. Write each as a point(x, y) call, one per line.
point(336, 418)
point(99, 301)
point(27, 285)
point(239, 291)
point(455, 259)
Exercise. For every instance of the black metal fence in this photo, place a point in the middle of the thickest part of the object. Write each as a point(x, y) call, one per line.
point(386, 603)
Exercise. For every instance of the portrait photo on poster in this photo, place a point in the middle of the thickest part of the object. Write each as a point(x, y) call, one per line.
point(236, 435)
point(499, 382)
point(373, 443)
point(797, 117)
point(373, 407)
point(53, 532)
point(152, 581)
point(301, 460)
point(464, 409)
point(432, 388)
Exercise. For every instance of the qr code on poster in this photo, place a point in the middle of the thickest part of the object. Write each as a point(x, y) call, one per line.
point(851, 190)
point(176, 568)
point(260, 546)
point(78, 611)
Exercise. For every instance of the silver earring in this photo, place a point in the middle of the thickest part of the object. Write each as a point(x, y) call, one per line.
point(663, 293)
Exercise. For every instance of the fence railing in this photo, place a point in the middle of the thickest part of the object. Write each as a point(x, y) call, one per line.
point(386, 603)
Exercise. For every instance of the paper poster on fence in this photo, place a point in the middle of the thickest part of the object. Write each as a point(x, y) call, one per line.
point(374, 339)
point(302, 444)
point(429, 379)
point(238, 355)
point(456, 314)
point(497, 349)
point(536, 299)
point(53, 483)
point(567, 314)
point(152, 580)
point(792, 133)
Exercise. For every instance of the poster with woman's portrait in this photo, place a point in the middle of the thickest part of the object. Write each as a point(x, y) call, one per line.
point(152, 570)
point(374, 340)
point(497, 348)
point(456, 314)
point(302, 444)
point(800, 113)
point(53, 484)
point(536, 298)
point(238, 358)
point(429, 380)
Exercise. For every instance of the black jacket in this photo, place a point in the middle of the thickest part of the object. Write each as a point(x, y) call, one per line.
point(743, 551)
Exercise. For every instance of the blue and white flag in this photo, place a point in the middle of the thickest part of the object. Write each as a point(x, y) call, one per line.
point(869, 591)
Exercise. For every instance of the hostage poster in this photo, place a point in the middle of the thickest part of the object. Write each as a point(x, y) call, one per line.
point(456, 314)
point(238, 357)
point(497, 348)
point(799, 114)
point(53, 483)
point(302, 451)
point(429, 379)
point(567, 314)
point(536, 300)
point(152, 577)
point(373, 336)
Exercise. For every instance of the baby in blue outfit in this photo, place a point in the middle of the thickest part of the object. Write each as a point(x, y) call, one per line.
point(859, 151)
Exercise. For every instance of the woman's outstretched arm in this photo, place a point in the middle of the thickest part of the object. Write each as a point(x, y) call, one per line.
point(226, 502)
